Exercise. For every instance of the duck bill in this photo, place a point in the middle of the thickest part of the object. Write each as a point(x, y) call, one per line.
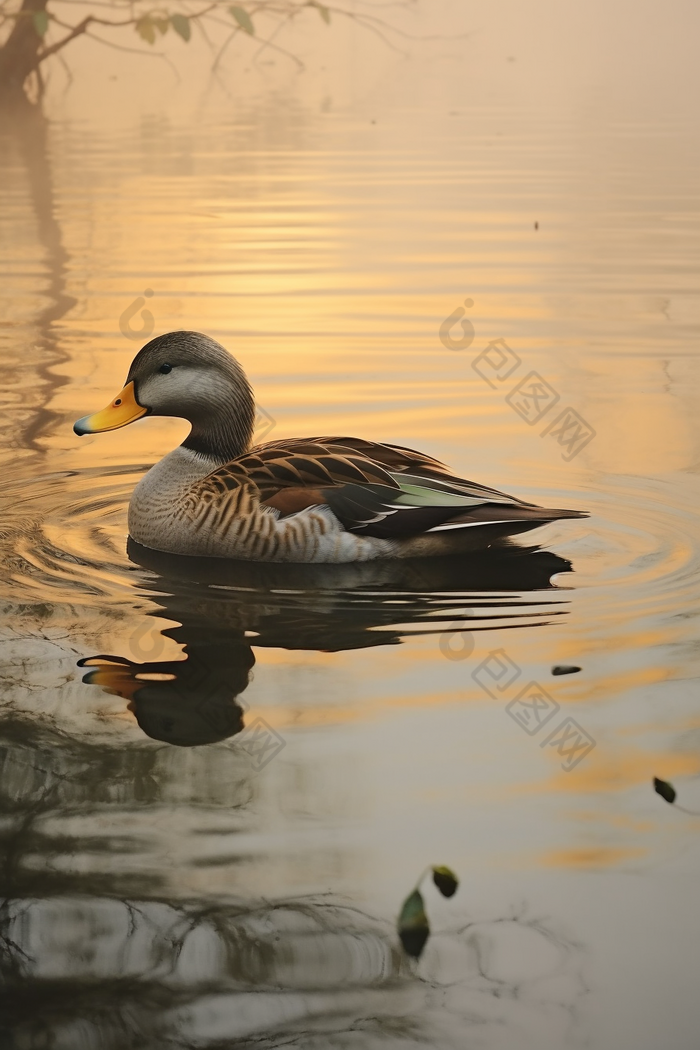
point(113, 675)
point(115, 680)
point(123, 410)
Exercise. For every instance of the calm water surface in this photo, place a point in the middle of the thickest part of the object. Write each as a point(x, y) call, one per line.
point(213, 853)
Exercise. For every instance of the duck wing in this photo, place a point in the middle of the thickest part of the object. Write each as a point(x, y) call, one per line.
point(394, 459)
point(373, 489)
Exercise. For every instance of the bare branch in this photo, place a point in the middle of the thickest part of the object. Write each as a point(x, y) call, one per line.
point(282, 51)
point(201, 28)
point(66, 68)
point(227, 41)
point(76, 31)
point(130, 50)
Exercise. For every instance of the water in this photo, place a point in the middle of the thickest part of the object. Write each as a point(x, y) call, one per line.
point(220, 782)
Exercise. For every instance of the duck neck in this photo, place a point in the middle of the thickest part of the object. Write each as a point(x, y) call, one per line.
point(224, 429)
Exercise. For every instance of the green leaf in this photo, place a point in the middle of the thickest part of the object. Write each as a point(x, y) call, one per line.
point(146, 29)
point(40, 20)
point(324, 12)
point(161, 23)
point(445, 880)
point(413, 925)
point(243, 18)
point(181, 25)
point(666, 790)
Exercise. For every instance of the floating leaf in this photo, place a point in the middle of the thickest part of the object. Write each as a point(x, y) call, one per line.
point(181, 25)
point(40, 20)
point(666, 790)
point(413, 925)
point(146, 29)
point(445, 880)
point(324, 12)
point(243, 18)
point(161, 23)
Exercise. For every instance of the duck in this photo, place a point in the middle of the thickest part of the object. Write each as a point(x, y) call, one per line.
point(304, 500)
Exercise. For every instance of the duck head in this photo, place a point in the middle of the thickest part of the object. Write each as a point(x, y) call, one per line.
point(189, 375)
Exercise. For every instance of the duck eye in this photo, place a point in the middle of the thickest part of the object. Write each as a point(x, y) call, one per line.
point(165, 369)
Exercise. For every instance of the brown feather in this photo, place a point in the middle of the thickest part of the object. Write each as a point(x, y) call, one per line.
point(351, 475)
point(375, 459)
point(289, 501)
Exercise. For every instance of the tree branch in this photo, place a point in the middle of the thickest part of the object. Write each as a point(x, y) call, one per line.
point(26, 47)
point(122, 47)
point(227, 41)
point(76, 31)
point(94, 19)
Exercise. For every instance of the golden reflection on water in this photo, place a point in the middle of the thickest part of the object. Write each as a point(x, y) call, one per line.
point(325, 252)
point(596, 859)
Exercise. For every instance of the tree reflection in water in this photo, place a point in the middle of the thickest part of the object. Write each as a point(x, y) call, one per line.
point(103, 973)
point(98, 950)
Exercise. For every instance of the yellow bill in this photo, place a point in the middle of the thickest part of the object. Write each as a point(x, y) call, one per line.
point(117, 681)
point(124, 409)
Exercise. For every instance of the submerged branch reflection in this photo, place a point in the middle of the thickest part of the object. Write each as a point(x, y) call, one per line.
point(25, 130)
point(309, 972)
point(106, 938)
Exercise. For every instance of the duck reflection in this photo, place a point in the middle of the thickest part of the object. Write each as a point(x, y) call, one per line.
point(225, 608)
point(184, 702)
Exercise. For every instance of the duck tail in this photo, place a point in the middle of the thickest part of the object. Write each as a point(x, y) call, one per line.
point(507, 514)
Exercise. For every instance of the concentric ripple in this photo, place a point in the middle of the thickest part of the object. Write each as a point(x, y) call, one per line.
point(64, 535)
point(639, 556)
point(64, 539)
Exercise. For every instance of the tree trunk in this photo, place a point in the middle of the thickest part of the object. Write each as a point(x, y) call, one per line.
point(18, 56)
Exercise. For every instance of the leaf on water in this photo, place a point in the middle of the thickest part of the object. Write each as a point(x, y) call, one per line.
point(161, 23)
point(666, 790)
point(243, 18)
point(40, 20)
point(445, 880)
point(181, 25)
point(146, 29)
point(413, 925)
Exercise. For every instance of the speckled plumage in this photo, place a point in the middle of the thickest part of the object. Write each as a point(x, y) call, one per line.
point(322, 499)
